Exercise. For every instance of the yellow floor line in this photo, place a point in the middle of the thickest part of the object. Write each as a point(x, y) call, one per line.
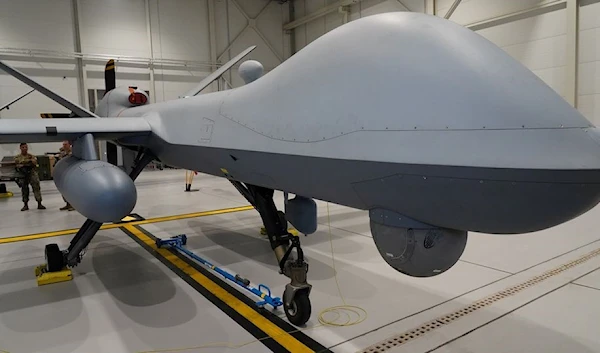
point(113, 226)
point(282, 337)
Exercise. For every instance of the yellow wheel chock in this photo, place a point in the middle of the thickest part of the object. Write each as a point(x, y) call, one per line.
point(44, 277)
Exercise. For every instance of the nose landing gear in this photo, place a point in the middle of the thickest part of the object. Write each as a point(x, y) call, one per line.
point(296, 302)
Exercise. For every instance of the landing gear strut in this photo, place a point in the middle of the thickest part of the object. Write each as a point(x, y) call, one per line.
point(57, 259)
point(296, 302)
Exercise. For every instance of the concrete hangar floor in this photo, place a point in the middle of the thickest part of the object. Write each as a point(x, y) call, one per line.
point(521, 293)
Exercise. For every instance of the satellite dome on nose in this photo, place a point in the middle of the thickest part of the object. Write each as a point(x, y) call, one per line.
point(250, 70)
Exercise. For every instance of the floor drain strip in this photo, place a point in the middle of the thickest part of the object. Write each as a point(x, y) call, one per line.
point(413, 334)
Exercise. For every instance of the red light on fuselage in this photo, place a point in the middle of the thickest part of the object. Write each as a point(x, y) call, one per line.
point(137, 98)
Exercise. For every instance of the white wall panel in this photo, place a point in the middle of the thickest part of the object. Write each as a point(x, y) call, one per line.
point(549, 25)
point(540, 54)
point(307, 33)
point(253, 8)
point(113, 27)
point(172, 87)
point(36, 24)
point(270, 25)
point(313, 29)
point(263, 28)
point(180, 29)
point(589, 62)
point(300, 32)
point(233, 23)
point(537, 42)
point(373, 7)
point(125, 76)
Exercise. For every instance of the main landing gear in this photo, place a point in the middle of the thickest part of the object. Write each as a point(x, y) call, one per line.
point(57, 260)
point(296, 302)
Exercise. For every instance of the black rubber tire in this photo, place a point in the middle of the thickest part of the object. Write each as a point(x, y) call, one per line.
point(54, 258)
point(299, 312)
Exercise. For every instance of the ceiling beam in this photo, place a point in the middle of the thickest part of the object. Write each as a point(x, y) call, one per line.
point(319, 13)
point(151, 51)
point(519, 15)
point(572, 50)
point(80, 66)
point(430, 7)
point(452, 8)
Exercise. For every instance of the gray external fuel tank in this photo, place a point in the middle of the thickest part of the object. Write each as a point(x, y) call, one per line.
point(111, 190)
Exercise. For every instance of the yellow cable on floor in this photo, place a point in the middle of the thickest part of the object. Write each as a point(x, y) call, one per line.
point(345, 309)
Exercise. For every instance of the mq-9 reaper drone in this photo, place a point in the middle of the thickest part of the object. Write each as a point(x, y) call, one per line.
point(427, 125)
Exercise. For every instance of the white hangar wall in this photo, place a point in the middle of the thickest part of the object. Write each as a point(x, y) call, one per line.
point(39, 37)
point(44, 26)
point(589, 62)
point(534, 32)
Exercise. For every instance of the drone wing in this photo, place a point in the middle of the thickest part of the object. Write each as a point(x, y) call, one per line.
point(53, 130)
point(215, 75)
point(75, 108)
point(7, 105)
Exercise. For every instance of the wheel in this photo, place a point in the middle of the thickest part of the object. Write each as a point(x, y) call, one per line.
point(54, 258)
point(299, 311)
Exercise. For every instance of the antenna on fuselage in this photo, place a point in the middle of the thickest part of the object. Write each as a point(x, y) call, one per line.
point(218, 73)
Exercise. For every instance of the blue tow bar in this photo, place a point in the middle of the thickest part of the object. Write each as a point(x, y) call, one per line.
point(179, 241)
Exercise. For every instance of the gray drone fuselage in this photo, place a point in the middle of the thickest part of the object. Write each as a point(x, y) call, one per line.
point(397, 112)
point(427, 125)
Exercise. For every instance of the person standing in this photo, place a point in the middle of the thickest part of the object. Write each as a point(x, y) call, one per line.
point(64, 151)
point(26, 164)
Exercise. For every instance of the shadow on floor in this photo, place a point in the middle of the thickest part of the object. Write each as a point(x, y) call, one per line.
point(141, 288)
point(238, 246)
point(44, 311)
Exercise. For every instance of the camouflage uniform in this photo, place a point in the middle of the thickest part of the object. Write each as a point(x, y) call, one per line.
point(63, 154)
point(26, 166)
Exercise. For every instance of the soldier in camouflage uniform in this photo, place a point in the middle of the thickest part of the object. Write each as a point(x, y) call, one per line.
point(26, 166)
point(65, 151)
